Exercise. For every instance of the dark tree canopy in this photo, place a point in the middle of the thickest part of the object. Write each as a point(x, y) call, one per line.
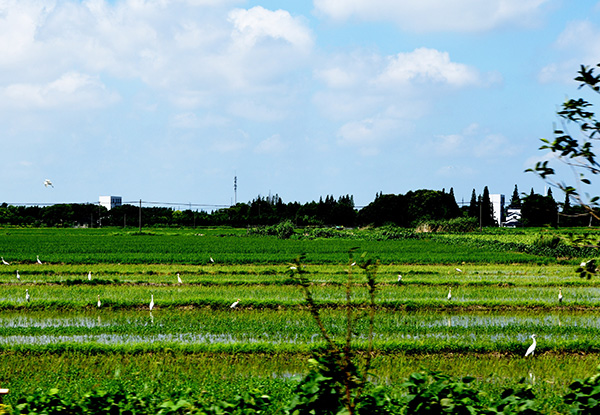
point(538, 210)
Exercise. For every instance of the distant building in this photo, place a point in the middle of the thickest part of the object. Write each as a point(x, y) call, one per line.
point(513, 218)
point(497, 201)
point(110, 202)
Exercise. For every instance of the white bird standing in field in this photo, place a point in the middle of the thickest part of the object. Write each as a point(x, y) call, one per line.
point(532, 347)
point(450, 294)
point(458, 270)
point(4, 261)
point(560, 296)
point(179, 279)
point(212, 260)
point(151, 301)
point(399, 278)
point(27, 296)
point(234, 305)
point(38, 259)
point(99, 303)
point(89, 275)
point(18, 276)
point(47, 183)
point(292, 267)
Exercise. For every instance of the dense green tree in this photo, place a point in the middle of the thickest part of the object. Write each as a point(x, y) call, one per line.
point(515, 200)
point(385, 209)
point(473, 211)
point(487, 210)
point(538, 210)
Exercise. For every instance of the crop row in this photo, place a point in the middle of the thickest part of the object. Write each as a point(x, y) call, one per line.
point(77, 246)
point(295, 331)
point(225, 375)
point(275, 296)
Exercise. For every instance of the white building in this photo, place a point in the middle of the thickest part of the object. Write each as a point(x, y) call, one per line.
point(513, 217)
point(498, 207)
point(110, 202)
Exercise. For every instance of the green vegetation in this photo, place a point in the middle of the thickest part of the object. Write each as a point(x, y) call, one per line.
point(194, 348)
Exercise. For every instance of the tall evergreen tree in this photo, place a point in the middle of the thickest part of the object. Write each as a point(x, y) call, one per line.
point(487, 210)
point(473, 206)
point(515, 200)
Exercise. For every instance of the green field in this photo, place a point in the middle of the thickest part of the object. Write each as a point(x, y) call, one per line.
point(502, 292)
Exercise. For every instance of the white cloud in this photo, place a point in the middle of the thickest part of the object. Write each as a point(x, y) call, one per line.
point(473, 141)
point(74, 90)
point(271, 145)
point(426, 65)
point(368, 134)
point(437, 15)
point(336, 77)
point(579, 44)
point(250, 26)
point(191, 50)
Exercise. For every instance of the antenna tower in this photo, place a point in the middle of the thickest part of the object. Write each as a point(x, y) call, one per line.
point(235, 189)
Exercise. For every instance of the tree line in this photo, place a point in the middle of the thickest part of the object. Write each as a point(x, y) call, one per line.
point(404, 210)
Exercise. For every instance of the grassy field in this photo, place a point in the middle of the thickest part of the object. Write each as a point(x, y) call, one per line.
point(192, 338)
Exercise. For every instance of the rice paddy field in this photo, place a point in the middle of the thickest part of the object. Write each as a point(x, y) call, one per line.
point(60, 337)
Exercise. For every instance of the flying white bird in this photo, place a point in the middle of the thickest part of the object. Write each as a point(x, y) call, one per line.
point(179, 279)
point(399, 278)
point(450, 294)
point(99, 303)
point(47, 183)
point(38, 259)
point(4, 262)
point(560, 296)
point(234, 305)
point(27, 296)
point(532, 347)
point(18, 276)
point(89, 275)
point(458, 269)
point(151, 302)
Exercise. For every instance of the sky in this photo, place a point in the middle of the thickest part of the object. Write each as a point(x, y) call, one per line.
point(167, 101)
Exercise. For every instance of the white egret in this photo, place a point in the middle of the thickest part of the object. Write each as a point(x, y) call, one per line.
point(47, 183)
point(151, 302)
point(399, 278)
point(38, 259)
point(179, 279)
point(293, 268)
point(4, 261)
point(27, 296)
point(89, 275)
point(99, 303)
point(532, 347)
point(353, 264)
point(234, 305)
point(450, 294)
point(458, 270)
point(560, 296)
point(212, 260)
point(18, 276)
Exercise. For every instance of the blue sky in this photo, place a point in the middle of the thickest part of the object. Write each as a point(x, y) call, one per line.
point(167, 100)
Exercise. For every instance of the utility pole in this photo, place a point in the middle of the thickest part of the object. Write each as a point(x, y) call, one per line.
point(140, 210)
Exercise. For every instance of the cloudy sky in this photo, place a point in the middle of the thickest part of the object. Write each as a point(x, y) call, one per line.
point(168, 100)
